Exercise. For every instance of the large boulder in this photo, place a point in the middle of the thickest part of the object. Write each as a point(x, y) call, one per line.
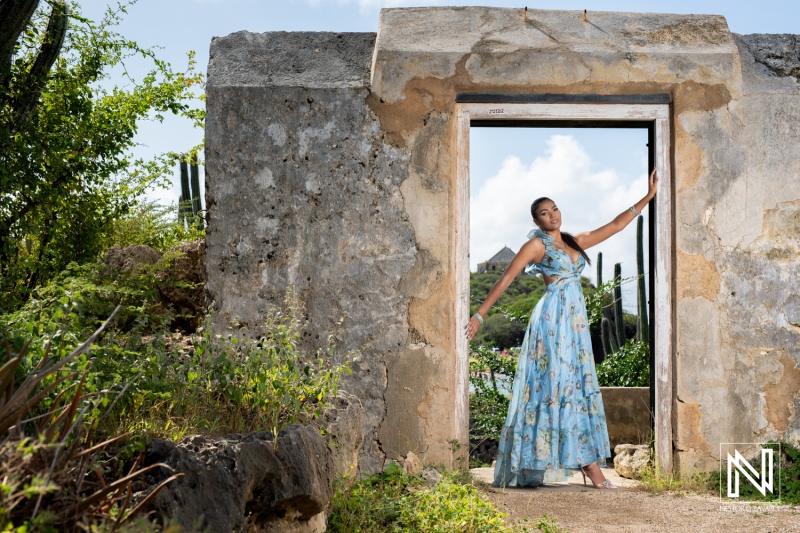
point(119, 259)
point(182, 284)
point(244, 482)
point(180, 277)
point(344, 435)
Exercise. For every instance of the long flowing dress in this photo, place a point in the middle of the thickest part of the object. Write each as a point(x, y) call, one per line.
point(555, 422)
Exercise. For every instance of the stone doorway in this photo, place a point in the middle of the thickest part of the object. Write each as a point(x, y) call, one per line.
point(651, 112)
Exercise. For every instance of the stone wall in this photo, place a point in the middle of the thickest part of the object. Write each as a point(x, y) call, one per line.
point(331, 167)
point(302, 191)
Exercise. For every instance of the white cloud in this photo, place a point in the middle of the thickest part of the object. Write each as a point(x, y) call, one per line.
point(588, 198)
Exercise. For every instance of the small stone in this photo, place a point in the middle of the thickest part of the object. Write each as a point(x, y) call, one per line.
point(630, 460)
point(412, 464)
point(431, 475)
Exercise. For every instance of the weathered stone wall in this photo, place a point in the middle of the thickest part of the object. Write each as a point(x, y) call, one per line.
point(738, 237)
point(343, 185)
point(301, 190)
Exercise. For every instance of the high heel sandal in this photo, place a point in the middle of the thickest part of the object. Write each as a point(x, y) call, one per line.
point(606, 484)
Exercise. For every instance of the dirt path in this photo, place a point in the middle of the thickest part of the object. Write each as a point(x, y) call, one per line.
point(580, 509)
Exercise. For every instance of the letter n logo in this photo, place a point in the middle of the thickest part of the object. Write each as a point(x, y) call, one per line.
point(739, 466)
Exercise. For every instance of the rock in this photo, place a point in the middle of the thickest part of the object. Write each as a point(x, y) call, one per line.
point(412, 464)
point(431, 475)
point(181, 277)
point(126, 259)
point(630, 460)
point(344, 435)
point(239, 482)
point(182, 284)
point(779, 53)
point(387, 462)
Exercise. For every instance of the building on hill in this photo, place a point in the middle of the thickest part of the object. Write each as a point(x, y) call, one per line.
point(499, 261)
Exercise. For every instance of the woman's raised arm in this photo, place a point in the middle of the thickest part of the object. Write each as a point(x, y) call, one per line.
point(533, 250)
point(587, 239)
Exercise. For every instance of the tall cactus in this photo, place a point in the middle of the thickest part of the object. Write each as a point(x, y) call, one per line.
point(619, 320)
point(643, 331)
point(609, 343)
point(599, 268)
point(197, 205)
point(186, 193)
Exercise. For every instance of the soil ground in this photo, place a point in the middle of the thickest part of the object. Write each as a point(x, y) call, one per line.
point(629, 509)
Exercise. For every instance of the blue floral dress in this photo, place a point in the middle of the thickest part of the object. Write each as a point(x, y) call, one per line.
point(555, 422)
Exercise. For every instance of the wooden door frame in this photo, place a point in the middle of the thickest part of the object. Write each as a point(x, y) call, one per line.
point(566, 111)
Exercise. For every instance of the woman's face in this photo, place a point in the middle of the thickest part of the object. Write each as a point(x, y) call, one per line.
point(548, 217)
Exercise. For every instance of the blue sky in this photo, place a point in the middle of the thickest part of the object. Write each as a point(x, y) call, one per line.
point(179, 26)
point(500, 158)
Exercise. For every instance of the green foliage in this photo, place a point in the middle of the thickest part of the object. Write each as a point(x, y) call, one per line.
point(488, 405)
point(154, 225)
point(601, 299)
point(229, 384)
point(393, 501)
point(53, 478)
point(157, 384)
point(504, 325)
point(78, 298)
point(500, 331)
point(67, 174)
point(629, 366)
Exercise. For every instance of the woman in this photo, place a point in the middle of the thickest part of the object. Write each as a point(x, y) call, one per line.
point(555, 422)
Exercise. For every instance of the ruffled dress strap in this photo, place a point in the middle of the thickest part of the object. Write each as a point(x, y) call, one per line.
point(540, 233)
point(534, 268)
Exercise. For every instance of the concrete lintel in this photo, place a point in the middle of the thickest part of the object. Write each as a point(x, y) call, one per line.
point(313, 60)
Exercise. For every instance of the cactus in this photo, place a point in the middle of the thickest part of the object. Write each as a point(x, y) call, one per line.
point(196, 205)
point(609, 343)
point(643, 331)
point(599, 268)
point(619, 320)
point(186, 193)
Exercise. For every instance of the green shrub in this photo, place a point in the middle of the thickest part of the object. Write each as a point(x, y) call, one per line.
point(393, 501)
point(154, 225)
point(157, 384)
point(627, 367)
point(228, 384)
point(54, 475)
point(488, 405)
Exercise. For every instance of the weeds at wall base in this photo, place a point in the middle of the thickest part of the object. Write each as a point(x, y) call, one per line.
point(394, 501)
point(713, 482)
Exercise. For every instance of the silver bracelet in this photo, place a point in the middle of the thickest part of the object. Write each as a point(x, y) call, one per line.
point(634, 211)
point(476, 315)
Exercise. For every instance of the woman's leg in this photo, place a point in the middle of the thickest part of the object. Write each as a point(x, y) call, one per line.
point(594, 473)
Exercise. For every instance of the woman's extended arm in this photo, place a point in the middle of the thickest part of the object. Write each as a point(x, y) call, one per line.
point(587, 239)
point(533, 250)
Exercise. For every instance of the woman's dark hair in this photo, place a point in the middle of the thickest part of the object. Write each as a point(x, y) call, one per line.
point(568, 238)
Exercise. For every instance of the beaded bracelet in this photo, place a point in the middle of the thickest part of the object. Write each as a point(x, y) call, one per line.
point(476, 315)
